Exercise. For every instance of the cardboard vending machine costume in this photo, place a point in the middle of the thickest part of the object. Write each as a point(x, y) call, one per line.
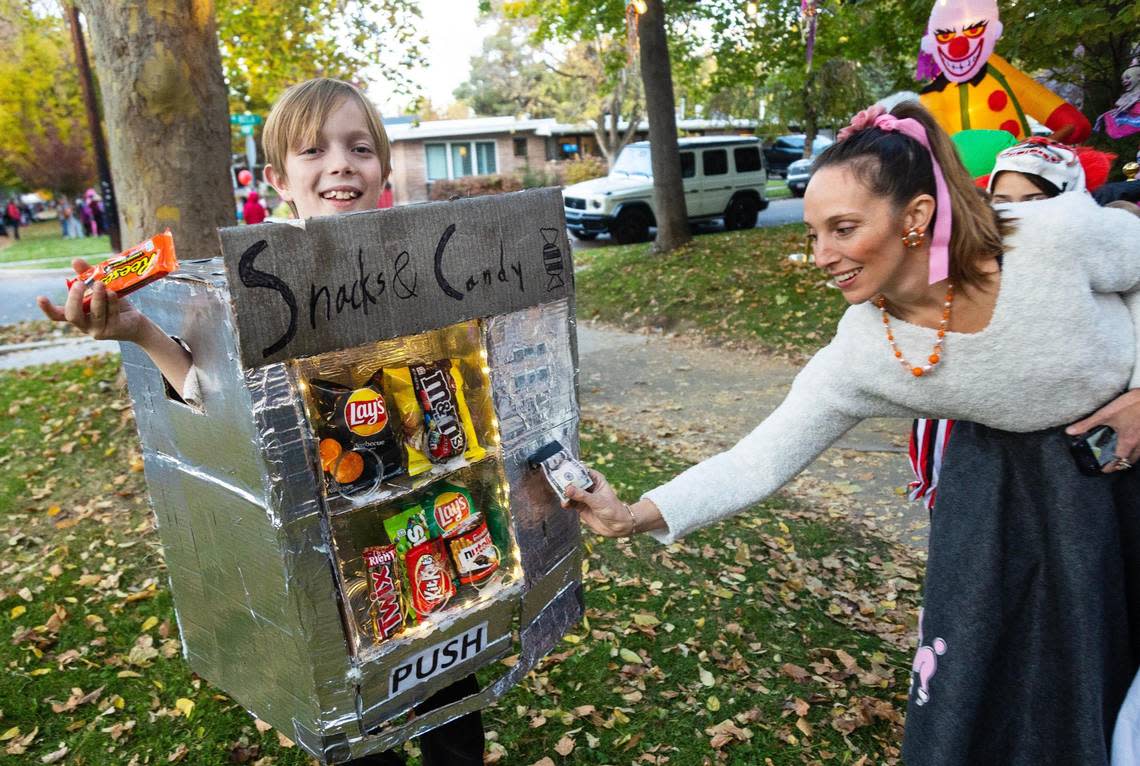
point(349, 518)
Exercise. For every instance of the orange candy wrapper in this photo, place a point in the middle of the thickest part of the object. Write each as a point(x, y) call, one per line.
point(132, 268)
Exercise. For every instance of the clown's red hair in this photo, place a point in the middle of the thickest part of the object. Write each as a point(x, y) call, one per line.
point(1097, 164)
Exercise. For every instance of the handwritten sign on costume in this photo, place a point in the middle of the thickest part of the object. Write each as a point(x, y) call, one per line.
point(343, 281)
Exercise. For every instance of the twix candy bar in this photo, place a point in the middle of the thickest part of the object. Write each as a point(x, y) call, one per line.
point(131, 269)
point(386, 610)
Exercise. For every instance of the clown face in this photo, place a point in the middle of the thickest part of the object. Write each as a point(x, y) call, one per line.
point(961, 35)
point(1130, 79)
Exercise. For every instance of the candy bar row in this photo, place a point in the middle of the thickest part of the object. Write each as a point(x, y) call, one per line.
point(401, 422)
point(434, 550)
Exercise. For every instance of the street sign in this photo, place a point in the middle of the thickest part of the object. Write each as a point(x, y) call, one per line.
point(245, 119)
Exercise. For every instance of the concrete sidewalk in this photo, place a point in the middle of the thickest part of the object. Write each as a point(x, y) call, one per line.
point(696, 400)
point(17, 355)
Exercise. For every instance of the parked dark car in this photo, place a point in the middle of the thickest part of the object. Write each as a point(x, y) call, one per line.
point(787, 149)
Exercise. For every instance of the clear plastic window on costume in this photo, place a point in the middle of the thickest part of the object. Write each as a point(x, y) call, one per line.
point(412, 564)
point(392, 416)
point(405, 437)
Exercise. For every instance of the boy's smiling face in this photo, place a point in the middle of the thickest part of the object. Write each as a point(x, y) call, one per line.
point(340, 172)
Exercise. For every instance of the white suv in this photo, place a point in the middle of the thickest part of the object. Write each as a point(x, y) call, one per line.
point(723, 176)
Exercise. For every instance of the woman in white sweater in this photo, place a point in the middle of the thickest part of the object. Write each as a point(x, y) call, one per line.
point(1019, 322)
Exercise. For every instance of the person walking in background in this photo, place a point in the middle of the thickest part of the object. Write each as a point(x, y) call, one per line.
point(74, 227)
point(98, 225)
point(68, 222)
point(253, 211)
point(386, 197)
point(12, 217)
point(83, 216)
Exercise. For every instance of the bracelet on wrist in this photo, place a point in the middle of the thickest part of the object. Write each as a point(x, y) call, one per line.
point(632, 518)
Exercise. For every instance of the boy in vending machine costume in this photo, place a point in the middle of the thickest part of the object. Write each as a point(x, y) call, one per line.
point(974, 88)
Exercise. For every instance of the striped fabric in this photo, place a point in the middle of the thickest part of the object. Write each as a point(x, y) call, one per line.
point(928, 440)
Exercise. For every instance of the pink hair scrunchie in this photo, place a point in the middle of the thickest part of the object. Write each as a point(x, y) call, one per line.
point(878, 117)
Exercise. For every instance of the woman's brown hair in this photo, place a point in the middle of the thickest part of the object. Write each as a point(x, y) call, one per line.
point(896, 166)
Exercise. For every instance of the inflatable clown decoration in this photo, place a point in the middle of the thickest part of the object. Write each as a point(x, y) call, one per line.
point(977, 89)
point(1124, 118)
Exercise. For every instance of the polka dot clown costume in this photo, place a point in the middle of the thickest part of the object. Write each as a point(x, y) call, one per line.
point(977, 89)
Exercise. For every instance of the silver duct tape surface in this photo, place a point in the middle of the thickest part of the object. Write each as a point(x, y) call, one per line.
point(249, 542)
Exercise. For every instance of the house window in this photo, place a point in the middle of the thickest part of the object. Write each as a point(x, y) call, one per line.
point(461, 160)
point(457, 159)
point(520, 147)
point(485, 154)
point(436, 161)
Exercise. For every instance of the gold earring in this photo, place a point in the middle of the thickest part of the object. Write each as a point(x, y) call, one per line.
point(913, 238)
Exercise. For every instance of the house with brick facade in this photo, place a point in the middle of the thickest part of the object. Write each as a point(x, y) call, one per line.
point(424, 152)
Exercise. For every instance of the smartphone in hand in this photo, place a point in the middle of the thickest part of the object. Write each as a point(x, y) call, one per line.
point(1094, 450)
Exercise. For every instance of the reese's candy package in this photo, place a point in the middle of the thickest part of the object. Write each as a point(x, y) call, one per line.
point(437, 422)
point(131, 269)
point(474, 553)
point(449, 507)
point(386, 604)
point(429, 577)
point(358, 443)
point(407, 529)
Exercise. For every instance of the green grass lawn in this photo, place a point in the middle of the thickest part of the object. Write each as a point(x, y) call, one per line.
point(777, 188)
point(42, 242)
point(779, 637)
point(731, 286)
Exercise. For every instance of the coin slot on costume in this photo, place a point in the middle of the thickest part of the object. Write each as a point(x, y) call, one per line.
point(560, 468)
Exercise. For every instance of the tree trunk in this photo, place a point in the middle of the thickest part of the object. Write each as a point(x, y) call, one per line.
point(668, 191)
point(164, 103)
point(811, 114)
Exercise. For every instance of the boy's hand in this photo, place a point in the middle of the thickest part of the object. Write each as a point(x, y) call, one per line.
point(108, 318)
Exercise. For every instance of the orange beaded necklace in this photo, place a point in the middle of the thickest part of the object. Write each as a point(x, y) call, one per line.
point(936, 355)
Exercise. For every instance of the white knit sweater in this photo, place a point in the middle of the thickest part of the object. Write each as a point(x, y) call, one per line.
point(1060, 344)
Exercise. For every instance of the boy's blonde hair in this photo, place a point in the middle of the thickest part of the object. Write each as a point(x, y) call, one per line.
point(296, 119)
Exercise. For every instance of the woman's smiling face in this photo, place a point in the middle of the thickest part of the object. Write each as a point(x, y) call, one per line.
point(857, 236)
